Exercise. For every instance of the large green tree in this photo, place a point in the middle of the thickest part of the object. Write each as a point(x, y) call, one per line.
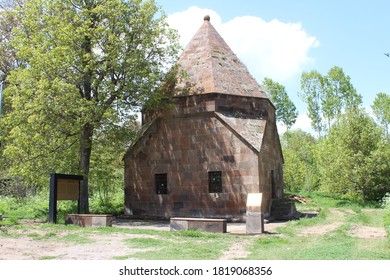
point(312, 90)
point(8, 59)
point(381, 109)
point(299, 169)
point(8, 21)
point(88, 64)
point(353, 160)
point(286, 112)
point(328, 96)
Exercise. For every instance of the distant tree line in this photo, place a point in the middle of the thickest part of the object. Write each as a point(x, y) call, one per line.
point(350, 152)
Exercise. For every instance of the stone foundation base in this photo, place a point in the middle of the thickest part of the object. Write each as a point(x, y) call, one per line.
point(209, 225)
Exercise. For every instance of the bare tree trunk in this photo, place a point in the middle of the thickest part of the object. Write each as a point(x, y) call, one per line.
point(364, 196)
point(85, 160)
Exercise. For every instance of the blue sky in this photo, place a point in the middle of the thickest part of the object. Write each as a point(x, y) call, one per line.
point(280, 39)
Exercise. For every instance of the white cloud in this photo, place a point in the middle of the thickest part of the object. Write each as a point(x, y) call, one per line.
point(271, 49)
point(281, 128)
point(190, 20)
point(303, 122)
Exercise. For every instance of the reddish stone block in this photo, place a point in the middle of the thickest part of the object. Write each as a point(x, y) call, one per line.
point(89, 220)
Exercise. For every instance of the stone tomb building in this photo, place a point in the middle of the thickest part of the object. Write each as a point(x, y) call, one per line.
point(216, 144)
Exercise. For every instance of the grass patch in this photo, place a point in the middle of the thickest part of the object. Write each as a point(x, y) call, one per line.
point(142, 243)
point(368, 217)
point(4, 231)
point(193, 233)
point(386, 222)
point(334, 245)
point(185, 251)
point(293, 227)
point(289, 244)
point(121, 258)
point(37, 236)
point(48, 258)
point(323, 200)
point(270, 241)
point(181, 245)
point(37, 207)
point(78, 238)
point(8, 221)
point(148, 231)
point(326, 248)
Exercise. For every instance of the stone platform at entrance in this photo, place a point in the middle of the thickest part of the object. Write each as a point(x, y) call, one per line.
point(89, 220)
point(209, 225)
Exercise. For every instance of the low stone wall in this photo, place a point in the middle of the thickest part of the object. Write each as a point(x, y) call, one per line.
point(209, 225)
point(89, 220)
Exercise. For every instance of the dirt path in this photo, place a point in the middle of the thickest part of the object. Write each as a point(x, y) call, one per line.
point(32, 243)
point(339, 217)
point(102, 247)
point(238, 249)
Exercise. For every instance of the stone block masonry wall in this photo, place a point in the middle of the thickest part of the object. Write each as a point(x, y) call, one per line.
point(186, 149)
point(270, 167)
point(232, 134)
point(220, 121)
point(248, 106)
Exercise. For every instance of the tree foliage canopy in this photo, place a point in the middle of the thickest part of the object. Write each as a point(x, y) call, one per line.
point(299, 169)
point(286, 112)
point(87, 65)
point(353, 159)
point(327, 96)
point(381, 109)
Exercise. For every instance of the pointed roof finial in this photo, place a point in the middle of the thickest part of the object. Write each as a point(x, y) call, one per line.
point(212, 67)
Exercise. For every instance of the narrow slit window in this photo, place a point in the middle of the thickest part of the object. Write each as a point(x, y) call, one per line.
point(161, 183)
point(215, 181)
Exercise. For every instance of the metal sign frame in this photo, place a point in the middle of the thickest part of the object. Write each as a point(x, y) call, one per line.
point(55, 178)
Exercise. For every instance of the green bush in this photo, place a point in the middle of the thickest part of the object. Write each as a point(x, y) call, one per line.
point(37, 207)
point(112, 206)
point(34, 207)
point(386, 201)
point(386, 217)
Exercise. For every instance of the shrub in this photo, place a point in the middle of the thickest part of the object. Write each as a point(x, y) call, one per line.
point(15, 187)
point(386, 202)
point(386, 217)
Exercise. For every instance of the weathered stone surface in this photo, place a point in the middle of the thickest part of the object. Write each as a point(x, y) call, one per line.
point(89, 220)
point(209, 225)
point(213, 67)
point(254, 222)
point(177, 224)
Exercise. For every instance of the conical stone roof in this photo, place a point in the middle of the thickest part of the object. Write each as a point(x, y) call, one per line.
point(212, 67)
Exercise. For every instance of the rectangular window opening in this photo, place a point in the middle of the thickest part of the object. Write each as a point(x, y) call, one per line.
point(161, 182)
point(215, 182)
